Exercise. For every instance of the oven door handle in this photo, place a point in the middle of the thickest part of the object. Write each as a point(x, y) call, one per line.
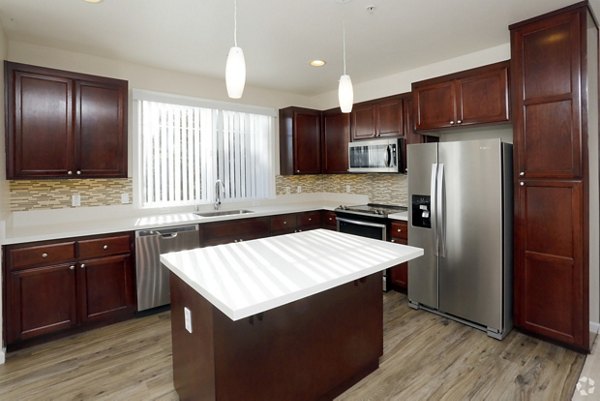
point(361, 223)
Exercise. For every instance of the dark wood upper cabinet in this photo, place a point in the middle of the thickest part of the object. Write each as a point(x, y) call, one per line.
point(336, 135)
point(61, 124)
point(477, 96)
point(377, 118)
point(551, 56)
point(299, 141)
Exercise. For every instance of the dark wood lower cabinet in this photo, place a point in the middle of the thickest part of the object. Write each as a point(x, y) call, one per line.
point(398, 275)
point(89, 281)
point(106, 287)
point(310, 349)
point(40, 301)
point(550, 282)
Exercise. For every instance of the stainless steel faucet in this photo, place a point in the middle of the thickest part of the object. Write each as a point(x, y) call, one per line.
point(219, 191)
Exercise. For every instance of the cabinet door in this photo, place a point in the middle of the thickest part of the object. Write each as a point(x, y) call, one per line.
point(550, 293)
point(105, 288)
point(328, 220)
point(283, 224)
point(309, 220)
point(39, 123)
point(336, 135)
point(363, 121)
point(483, 97)
point(307, 143)
point(388, 117)
point(40, 301)
point(398, 275)
point(100, 127)
point(434, 105)
point(224, 232)
point(547, 92)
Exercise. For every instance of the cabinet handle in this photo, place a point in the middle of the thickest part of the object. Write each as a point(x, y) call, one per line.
point(297, 171)
point(71, 267)
point(522, 184)
point(83, 266)
point(399, 230)
point(105, 247)
point(459, 121)
point(44, 255)
point(522, 173)
point(78, 172)
point(285, 222)
point(310, 219)
point(331, 218)
point(393, 240)
point(69, 172)
point(452, 122)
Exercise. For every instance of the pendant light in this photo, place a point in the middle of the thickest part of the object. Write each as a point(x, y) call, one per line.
point(235, 68)
point(345, 91)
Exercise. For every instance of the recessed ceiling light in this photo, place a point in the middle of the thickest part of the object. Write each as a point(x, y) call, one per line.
point(317, 63)
point(93, 1)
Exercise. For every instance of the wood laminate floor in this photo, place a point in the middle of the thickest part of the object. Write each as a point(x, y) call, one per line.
point(426, 357)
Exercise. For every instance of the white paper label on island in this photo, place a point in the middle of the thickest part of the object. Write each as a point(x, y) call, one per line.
point(187, 314)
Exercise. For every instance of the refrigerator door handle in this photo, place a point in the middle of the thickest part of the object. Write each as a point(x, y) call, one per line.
point(433, 211)
point(441, 225)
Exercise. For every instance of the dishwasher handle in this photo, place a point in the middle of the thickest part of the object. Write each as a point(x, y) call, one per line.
point(167, 233)
point(170, 235)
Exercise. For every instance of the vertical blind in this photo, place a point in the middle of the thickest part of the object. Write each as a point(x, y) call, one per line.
point(185, 149)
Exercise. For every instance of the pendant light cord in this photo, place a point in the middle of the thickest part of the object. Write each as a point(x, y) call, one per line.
point(235, 23)
point(344, 44)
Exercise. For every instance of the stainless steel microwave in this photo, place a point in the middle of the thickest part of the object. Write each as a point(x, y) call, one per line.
point(375, 156)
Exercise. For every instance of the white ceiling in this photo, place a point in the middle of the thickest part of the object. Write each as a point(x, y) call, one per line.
point(278, 37)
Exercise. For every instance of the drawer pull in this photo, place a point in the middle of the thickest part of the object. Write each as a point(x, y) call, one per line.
point(71, 267)
point(44, 255)
point(399, 230)
point(105, 247)
point(83, 265)
point(393, 240)
point(310, 219)
point(285, 222)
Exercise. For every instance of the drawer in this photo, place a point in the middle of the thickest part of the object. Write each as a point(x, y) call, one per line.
point(399, 230)
point(309, 220)
point(328, 219)
point(46, 254)
point(104, 246)
point(283, 222)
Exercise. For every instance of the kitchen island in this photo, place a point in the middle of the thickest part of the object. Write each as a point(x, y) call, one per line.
point(291, 317)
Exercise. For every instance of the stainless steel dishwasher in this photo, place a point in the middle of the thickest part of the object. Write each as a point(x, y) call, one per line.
point(152, 279)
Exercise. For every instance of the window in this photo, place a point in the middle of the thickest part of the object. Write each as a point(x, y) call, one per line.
point(185, 145)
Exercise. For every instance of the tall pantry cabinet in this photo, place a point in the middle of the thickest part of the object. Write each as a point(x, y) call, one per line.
point(554, 68)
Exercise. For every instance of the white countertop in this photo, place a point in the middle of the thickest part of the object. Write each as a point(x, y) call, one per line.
point(246, 278)
point(116, 223)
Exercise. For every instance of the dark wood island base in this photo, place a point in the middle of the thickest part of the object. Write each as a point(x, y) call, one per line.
point(311, 349)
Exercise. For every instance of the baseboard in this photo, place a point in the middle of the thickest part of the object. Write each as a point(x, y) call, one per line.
point(594, 327)
point(2, 356)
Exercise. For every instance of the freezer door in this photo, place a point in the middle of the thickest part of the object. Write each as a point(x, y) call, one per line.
point(422, 272)
point(470, 269)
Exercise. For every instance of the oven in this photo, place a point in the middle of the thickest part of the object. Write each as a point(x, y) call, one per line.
point(367, 221)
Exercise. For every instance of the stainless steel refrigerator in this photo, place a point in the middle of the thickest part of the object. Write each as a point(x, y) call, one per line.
point(460, 213)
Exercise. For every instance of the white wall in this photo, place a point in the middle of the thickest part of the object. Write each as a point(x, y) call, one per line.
point(401, 82)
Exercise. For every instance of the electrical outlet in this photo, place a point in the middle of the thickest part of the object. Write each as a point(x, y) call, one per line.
point(299, 189)
point(76, 200)
point(124, 197)
point(187, 314)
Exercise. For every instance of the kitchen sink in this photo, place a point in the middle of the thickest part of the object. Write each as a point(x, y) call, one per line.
point(223, 213)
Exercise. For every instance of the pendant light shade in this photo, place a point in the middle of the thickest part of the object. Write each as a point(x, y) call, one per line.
point(345, 93)
point(235, 68)
point(235, 73)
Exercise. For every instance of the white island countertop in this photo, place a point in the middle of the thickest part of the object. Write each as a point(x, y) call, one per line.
point(246, 278)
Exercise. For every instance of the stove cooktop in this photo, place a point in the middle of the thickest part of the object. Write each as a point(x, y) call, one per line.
point(372, 209)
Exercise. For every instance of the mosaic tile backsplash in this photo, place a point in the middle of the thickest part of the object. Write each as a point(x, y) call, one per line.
point(381, 188)
point(56, 194)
